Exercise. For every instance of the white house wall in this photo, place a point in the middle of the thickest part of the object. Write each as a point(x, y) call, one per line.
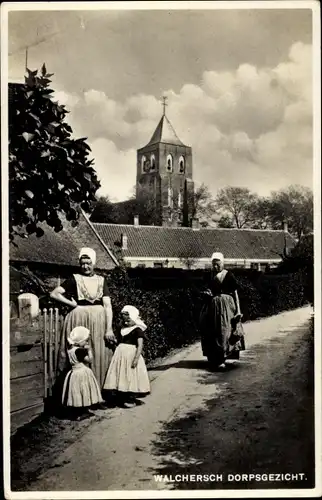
point(196, 264)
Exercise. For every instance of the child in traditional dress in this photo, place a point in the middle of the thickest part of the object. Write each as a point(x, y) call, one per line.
point(81, 389)
point(127, 373)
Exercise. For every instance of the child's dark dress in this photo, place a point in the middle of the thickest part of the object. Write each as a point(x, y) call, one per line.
point(120, 375)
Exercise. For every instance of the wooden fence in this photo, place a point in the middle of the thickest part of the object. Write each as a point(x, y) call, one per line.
point(33, 361)
point(52, 325)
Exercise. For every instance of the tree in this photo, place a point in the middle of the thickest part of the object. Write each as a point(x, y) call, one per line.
point(144, 205)
point(225, 221)
point(123, 212)
point(203, 205)
point(259, 212)
point(236, 205)
point(293, 205)
point(50, 175)
point(104, 211)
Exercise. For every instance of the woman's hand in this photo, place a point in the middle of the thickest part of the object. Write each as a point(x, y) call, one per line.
point(73, 302)
point(110, 337)
point(135, 362)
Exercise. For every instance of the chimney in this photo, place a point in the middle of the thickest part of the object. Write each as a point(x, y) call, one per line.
point(124, 241)
point(195, 223)
point(136, 220)
point(285, 227)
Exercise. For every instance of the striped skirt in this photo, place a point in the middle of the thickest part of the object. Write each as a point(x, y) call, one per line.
point(93, 318)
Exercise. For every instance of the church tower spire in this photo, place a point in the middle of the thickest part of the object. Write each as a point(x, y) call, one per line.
point(164, 175)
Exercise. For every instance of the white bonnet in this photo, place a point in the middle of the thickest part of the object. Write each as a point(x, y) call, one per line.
point(78, 334)
point(89, 252)
point(134, 314)
point(217, 256)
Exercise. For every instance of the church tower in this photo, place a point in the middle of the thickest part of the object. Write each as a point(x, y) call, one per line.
point(164, 176)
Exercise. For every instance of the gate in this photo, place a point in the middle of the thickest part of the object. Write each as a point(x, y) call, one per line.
point(52, 323)
point(34, 348)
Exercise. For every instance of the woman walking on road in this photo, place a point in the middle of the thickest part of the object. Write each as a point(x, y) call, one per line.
point(220, 315)
point(87, 295)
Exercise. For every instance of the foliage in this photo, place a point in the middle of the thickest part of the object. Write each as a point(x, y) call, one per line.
point(225, 221)
point(145, 207)
point(124, 212)
point(170, 303)
point(104, 211)
point(300, 257)
point(50, 174)
point(301, 261)
point(203, 205)
point(236, 205)
point(242, 209)
point(295, 206)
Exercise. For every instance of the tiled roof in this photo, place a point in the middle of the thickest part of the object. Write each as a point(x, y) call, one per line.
point(167, 242)
point(63, 247)
point(165, 133)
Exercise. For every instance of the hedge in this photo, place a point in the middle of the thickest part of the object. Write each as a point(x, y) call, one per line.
point(171, 311)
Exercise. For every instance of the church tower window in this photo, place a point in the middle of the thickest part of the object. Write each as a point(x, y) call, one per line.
point(152, 162)
point(169, 163)
point(143, 163)
point(181, 165)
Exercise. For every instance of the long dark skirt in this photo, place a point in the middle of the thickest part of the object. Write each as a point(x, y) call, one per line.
point(216, 326)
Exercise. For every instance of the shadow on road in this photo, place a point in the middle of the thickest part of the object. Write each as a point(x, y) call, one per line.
point(262, 421)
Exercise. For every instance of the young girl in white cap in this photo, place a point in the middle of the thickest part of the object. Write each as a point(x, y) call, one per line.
point(81, 389)
point(127, 373)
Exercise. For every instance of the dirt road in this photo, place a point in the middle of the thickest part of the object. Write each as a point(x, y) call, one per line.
point(257, 416)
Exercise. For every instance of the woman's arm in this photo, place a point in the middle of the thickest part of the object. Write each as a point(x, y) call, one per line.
point(109, 335)
point(138, 352)
point(57, 294)
point(237, 304)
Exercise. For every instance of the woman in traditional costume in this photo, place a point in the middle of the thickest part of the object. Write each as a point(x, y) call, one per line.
point(86, 293)
point(220, 315)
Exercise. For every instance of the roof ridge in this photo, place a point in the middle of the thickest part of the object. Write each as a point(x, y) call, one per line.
point(246, 229)
point(200, 229)
point(112, 256)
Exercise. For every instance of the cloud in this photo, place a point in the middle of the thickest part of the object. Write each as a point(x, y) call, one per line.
point(250, 126)
point(116, 169)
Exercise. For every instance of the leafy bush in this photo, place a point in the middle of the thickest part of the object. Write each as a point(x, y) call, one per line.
point(172, 313)
point(50, 173)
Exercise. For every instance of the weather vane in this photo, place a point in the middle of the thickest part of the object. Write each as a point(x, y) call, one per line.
point(164, 103)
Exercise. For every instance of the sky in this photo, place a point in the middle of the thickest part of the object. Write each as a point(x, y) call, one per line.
point(238, 82)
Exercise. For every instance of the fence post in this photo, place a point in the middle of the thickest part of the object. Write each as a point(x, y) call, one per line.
point(57, 331)
point(45, 351)
point(50, 350)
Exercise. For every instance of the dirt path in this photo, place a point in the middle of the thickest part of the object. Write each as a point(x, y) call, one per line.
point(127, 447)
